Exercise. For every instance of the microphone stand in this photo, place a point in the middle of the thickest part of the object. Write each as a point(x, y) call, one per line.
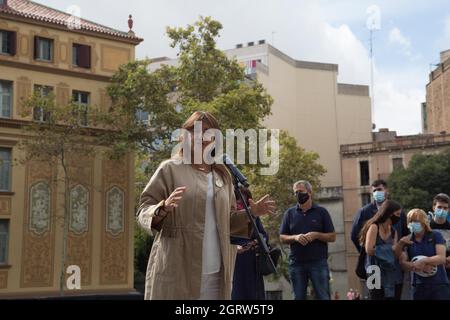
point(262, 245)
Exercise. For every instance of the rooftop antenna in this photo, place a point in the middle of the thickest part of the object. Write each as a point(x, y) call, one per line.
point(433, 65)
point(372, 81)
point(373, 24)
point(273, 38)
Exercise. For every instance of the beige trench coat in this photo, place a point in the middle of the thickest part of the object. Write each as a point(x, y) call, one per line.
point(175, 265)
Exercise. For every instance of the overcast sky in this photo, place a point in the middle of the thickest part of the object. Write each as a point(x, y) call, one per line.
point(412, 34)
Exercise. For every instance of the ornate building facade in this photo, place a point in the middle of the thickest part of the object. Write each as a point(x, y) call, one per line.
point(45, 49)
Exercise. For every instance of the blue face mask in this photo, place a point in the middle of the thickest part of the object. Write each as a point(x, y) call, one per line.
point(441, 214)
point(415, 227)
point(379, 196)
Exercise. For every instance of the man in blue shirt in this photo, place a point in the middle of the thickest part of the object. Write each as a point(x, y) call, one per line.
point(380, 194)
point(308, 229)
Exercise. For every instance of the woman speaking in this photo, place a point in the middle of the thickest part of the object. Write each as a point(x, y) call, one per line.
point(192, 209)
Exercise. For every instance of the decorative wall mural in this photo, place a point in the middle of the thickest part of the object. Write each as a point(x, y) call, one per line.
point(114, 211)
point(40, 208)
point(79, 209)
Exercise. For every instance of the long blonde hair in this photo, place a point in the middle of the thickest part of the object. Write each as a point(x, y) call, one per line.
point(209, 120)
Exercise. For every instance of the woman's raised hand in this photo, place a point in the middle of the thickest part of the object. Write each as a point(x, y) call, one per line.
point(174, 199)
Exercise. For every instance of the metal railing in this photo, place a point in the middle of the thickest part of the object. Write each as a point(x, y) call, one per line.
point(406, 142)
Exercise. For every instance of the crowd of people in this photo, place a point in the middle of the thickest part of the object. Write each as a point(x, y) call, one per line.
point(411, 247)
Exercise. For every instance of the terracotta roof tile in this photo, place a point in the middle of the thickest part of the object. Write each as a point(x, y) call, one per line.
point(32, 10)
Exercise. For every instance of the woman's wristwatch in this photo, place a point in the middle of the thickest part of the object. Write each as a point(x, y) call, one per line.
point(158, 212)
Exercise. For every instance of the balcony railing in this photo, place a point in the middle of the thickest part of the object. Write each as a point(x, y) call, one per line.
point(407, 142)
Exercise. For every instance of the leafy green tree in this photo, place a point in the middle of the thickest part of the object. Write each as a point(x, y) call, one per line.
point(425, 177)
point(204, 79)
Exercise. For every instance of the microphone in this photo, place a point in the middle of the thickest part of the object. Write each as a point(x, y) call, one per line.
point(235, 171)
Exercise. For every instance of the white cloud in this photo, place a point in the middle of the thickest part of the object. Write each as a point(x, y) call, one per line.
point(398, 108)
point(396, 36)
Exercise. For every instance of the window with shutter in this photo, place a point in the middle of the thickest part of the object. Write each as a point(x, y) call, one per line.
point(8, 42)
point(81, 99)
point(81, 56)
point(364, 173)
point(5, 170)
point(397, 163)
point(5, 99)
point(4, 235)
point(39, 112)
point(4, 42)
point(12, 40)
point(43, 49)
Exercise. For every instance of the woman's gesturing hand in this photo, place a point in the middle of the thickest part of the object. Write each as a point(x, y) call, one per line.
point(262, 207)
point(174, 199)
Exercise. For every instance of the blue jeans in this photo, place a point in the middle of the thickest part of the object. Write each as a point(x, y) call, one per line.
point(316, 271)
point(431, 292)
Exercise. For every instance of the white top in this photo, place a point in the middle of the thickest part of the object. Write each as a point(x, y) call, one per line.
point(211, 246)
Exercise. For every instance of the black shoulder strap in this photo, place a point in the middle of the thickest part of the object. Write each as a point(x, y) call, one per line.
point(431, 237)
point(409, 252)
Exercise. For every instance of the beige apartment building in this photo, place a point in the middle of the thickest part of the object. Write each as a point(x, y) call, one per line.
point(40, 51)
point(321, 114)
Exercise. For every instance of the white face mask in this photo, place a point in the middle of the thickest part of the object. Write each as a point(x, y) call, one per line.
point(415, 227)
point(379, 196)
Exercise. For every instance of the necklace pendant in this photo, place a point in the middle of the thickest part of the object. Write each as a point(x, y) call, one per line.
point(219, 182)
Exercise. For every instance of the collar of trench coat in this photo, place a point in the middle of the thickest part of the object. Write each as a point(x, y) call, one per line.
point(175, 265)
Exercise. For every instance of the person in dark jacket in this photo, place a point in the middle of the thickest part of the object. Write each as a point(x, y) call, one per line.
point(380, 194)
point(248, 283)
point(440, 223)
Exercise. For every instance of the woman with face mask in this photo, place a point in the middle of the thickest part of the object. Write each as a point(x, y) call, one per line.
point(379, 239)
point(425, 257)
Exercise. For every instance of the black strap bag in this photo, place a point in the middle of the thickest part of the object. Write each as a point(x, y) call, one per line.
point(264, 265)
